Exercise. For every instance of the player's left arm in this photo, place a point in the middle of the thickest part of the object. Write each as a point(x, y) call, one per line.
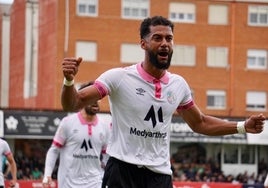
point(13, 169)
point(213, 126)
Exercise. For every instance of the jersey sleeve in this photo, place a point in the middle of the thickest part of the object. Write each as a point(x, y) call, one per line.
point(110, 80)
point(51, 158)
point(187, 100)
point(6, 149)
point(61, 135)
point(53, 152)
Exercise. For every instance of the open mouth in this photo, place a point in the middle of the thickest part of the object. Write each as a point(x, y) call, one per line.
point(163, 54)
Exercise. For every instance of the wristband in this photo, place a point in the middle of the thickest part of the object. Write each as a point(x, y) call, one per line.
point(45, 180)
point(68, 83)
point(240, 126)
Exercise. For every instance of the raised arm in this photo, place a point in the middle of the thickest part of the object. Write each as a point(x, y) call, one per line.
point(213, 126)
point(71, 99)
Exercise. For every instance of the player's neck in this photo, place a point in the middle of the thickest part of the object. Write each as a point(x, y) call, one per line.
point(88, 117)
point(152, 70)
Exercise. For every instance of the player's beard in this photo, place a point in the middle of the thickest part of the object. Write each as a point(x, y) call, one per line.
point(153, 59)
point(89, 111)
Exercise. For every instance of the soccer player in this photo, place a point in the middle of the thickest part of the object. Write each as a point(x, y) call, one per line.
point(79, 142)
point(5, 151)
point(143, 98)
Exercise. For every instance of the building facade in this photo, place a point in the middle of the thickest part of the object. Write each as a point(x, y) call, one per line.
point(220, 48)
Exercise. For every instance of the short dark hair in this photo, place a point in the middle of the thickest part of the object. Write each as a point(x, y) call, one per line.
point(86, 84)
point(153, 21)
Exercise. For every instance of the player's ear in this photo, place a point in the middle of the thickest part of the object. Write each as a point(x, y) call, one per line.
point(143, 44)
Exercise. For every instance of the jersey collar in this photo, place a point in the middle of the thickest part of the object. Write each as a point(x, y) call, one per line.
point(84, 122)
point(164, 79)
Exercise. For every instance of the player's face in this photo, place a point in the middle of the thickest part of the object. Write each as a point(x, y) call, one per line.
point(160, 48)
point(92, 109)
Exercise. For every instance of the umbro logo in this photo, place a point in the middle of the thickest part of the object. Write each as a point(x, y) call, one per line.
point(140, 91)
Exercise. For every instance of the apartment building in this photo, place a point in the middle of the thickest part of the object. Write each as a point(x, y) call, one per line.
point(220, 47)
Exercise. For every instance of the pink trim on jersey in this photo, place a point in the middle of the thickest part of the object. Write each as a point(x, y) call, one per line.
point(89, 124)
point(186, 106)
point(101, 89)
point(158, 88)
point(57, 144)
point(149, 78)
point(7, 153)
point(103, 151)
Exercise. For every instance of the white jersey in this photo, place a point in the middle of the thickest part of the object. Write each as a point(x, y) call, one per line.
point(142, 108)
point(79, 144)
point(4, 151)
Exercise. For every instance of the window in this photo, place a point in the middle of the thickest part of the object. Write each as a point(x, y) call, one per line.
point(135, 9)
point(87, 7)
point(231, 154)
point(257, 59)
point(239, 154)
point(183, 55)
point(182, 12)
point(256, 100)
point(218, 14)
point(216, 99)
point(217, 57)
point(5, 67)
point(131, 53)
point(258, 15)
point(247, 154)
point(87, 50)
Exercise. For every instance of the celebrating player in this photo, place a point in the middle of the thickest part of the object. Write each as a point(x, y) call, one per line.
point(143, 97)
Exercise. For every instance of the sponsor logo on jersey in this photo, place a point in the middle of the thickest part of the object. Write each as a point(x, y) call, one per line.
point(144, 133)
point(80, 156)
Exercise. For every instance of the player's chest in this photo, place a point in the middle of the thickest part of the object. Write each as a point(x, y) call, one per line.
point(139, 94)
point(86, 132)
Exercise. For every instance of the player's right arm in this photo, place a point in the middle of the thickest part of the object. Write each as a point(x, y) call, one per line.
point(51, 159)
point(71, 99)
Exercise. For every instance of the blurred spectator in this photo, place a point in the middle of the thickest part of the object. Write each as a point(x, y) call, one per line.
point(37, 174)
